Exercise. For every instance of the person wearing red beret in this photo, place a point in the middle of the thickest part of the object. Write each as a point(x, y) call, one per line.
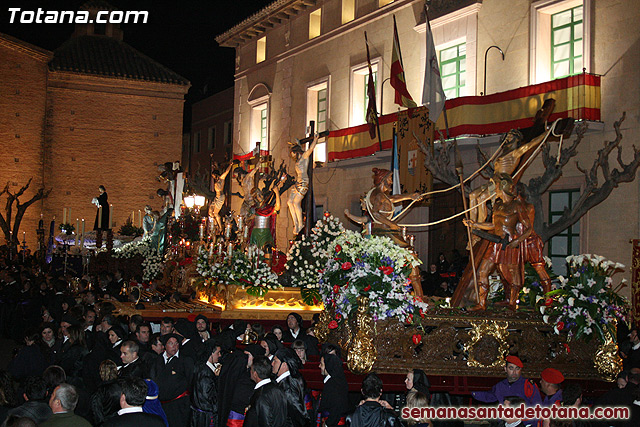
point(513, 385)
point(550, 382)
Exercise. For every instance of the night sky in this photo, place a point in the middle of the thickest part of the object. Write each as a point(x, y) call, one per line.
point(178, 34)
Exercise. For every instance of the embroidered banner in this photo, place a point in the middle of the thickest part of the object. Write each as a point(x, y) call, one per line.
point(413, 175)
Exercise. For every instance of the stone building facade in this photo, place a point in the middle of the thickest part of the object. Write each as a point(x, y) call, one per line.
point(293, 52)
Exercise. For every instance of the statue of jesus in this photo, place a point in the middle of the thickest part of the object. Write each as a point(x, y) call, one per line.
point(301, 186)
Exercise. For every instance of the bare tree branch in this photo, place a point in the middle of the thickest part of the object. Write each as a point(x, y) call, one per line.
point(591, 195)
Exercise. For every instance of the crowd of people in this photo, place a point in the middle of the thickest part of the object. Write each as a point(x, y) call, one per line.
point(80, 364)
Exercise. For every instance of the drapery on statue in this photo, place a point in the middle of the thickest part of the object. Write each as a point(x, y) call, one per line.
point(218, 202)
point(510, 227)
point(267, 208)
point(516, 144)
point(301, 186)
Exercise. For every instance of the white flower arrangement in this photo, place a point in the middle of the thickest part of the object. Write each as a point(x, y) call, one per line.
point(585, 303)
point(307, 258)
point(152, 264)
point(251, 273)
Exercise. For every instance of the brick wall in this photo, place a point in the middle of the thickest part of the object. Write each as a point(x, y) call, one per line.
point(23, 79)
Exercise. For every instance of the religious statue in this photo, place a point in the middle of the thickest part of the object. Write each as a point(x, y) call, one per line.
point(380, 203)
point(149, 221)
point(102, 215)
point(172, 174)
point(516, 144)
point(267, 207)
point(363, 220)
point(533, 246)
point(301, 186)
point(247, 183)
point(218, 202)
point(510, 227)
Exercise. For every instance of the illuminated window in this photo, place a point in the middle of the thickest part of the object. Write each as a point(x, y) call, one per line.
point(260, 126)
point(453, 70)
point(317, 110)
point(567, 242)
point(261, 53)
point(359, 95)
point(566, 42)
point(348, 10)
point(560, 39)
point(315, 23)
point(211, 140)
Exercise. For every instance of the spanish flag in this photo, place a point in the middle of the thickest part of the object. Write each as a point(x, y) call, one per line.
point(398, 81)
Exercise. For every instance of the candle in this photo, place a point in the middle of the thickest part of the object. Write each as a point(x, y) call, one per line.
point(139, 218)
point(219, 249)
point(133, 217)
point(230, 250)
point(240, 222)
point(24, 237)
point(110, 216)
point(82, 242)
point(246, 232)
point(201, 231)
point(100, 217)
point(77, 231)
point(64, 215)
point(211, 250)
point(227, 231)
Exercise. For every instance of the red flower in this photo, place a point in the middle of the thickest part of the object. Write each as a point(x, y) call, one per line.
point(336, 289)
point(560, 325)
point(346, 265)
point(338, 316)
point(367, 289)
point(548, 302)
point(421, 313)
point(386, 270)
point(333, 324)
point(417, 339)
point(409, 318)
point(338, 248)
point(566, 346)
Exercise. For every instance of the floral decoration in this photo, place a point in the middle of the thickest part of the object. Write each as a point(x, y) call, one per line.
point(250, 273)
point(307, 258)
point(585, 303)
point(371, 266)
point(152, 263)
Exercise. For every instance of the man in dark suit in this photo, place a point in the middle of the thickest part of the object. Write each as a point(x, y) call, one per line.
point(134, 394)
point(268, 404)
point(132, 365)
point(173, 373)
point(286, 368)
point(294, 328)
point(204, 393)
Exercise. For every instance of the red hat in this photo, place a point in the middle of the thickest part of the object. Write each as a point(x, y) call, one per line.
point(515, 360)
point(552, 376)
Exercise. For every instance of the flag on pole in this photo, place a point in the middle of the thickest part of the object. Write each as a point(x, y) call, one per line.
point(398, 81)
point(395, 170)
point(372, 111)
point(432, 92)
